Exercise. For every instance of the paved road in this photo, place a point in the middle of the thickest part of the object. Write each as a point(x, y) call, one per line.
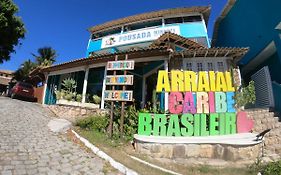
point(28, 147)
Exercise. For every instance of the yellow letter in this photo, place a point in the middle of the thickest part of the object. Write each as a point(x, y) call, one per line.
point(220, 82)
point(203, 82)
point(190, 81)
point(163, 81)
point(177, 81)
point(229, 82)
point(212, 80)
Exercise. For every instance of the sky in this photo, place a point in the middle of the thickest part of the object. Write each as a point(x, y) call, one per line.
point(63, 24)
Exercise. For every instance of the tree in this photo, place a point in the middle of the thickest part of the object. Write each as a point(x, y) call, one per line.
point(46, 56)
point(23, 72)
point(11, 29)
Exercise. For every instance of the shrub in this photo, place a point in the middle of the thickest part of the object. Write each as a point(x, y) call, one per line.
point(246, 96)
point(272, 168)
point(79, 97)
point(70, 84)
point(96, 99)
point(58, 95)
point(98, 123)
point(68, 96)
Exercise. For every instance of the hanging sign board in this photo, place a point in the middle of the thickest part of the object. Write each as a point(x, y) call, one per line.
point(117, 95)
point(119, 80)
point(121, 65)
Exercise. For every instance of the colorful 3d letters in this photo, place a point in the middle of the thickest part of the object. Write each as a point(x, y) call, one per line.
point(200, 104)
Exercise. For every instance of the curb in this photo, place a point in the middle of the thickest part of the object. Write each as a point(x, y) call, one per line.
point(123, 169)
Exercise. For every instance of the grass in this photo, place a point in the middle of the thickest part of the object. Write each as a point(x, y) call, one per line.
point(120, 150)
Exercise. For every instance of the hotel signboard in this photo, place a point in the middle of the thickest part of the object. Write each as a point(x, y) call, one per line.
point(137, 36)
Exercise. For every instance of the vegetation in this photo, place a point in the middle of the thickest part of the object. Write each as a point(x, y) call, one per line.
point(46, 56)
point(246, 96)
point(11, 29)
point(23, 72)
point(69, 84)
point(96, 99)
point(272, 168)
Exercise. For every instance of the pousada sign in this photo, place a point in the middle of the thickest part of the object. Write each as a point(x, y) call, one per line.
point(200, 104)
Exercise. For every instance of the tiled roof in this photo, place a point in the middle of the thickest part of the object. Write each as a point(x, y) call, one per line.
point(205, 10)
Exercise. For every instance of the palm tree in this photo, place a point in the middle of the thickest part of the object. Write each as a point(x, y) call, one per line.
point(46, 56)
point(23, 72)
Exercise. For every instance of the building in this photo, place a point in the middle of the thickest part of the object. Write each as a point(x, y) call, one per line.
point(255, 24)
point(5, 78)
point(162, 40)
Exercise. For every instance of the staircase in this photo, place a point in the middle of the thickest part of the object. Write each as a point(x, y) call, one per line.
point(265, 118)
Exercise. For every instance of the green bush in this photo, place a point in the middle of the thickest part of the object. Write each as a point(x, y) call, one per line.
point(96, 99)
point(246, 96)
point(79, 97)
point(273, 168)
point(98, 123)
point(68, 96)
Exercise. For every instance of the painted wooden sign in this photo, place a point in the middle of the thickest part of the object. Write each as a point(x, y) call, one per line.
point(120, 65)
point(117, 95)
point(119, 80)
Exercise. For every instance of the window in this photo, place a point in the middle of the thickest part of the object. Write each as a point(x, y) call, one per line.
point(210, 66)
point(192, 18)
point(220, 66)
point(174, 20)
point(200, 66)
point(189, 66)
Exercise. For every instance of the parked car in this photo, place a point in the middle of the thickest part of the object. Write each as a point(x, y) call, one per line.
point(22, 89)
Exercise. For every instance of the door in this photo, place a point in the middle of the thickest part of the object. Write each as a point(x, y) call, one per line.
point(52, 85)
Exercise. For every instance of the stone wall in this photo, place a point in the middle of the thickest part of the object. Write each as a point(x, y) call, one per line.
point(209, 151)
point(264, 119)
point(72, 113)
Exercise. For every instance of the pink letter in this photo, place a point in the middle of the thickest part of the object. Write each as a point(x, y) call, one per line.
point(175, 98)
point(188, 105)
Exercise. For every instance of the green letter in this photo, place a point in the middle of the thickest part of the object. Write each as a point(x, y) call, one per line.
point(196, 125)
point(214, 124)
point(174, 126)
point(144, 127)
point(222, 123)
point(230, 123)
point(203, 126)
point(187, 120)
point(159, 123)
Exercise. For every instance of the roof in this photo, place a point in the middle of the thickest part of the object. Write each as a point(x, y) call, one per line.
point(224, 13)
point(204, 10)
point(7, 72)
point(169, 37)
point(5, 80)
point(157, 48)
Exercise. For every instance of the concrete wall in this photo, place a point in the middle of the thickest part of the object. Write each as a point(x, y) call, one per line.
point(250, 23)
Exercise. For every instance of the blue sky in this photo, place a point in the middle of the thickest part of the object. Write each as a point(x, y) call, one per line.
point(63, 24)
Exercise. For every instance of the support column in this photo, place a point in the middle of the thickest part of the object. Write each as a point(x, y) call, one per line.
point(143, 91)
point(85, 84)
point(166, 93)
point(103, 87)
point(45, 88)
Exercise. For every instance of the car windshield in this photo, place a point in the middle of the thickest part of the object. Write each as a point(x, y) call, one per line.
point(26, 85)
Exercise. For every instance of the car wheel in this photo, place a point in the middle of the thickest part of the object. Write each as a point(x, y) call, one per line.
point(13, 95)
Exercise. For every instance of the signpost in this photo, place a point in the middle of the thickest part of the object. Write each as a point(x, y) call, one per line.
point(119, 80)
